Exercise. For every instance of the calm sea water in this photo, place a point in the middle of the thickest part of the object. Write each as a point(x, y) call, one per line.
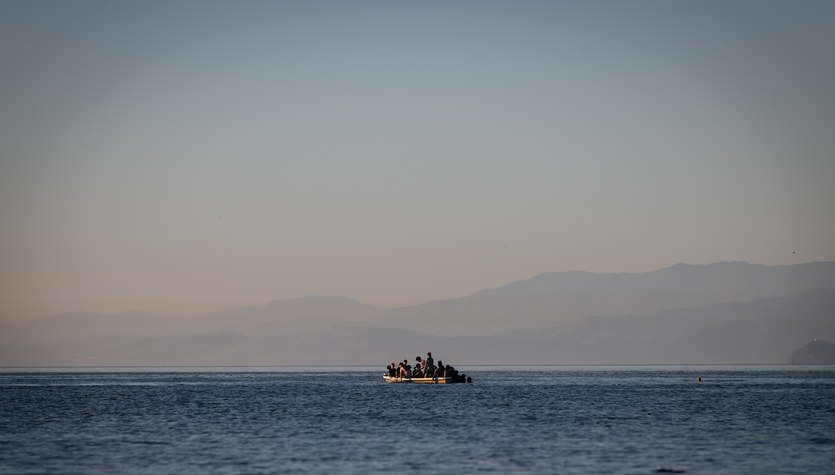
point(346, 420)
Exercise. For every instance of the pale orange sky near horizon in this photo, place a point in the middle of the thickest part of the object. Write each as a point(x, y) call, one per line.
point(181, 158)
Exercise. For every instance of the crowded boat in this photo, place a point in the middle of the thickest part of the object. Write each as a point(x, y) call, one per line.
point(424, 371)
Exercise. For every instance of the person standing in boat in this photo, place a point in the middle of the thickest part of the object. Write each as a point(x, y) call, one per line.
point(428, 365)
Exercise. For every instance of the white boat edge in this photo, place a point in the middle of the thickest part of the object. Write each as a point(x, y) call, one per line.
point(389, 379)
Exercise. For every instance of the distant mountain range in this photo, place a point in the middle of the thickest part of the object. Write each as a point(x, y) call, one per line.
point(730, 312)
point(564, 297)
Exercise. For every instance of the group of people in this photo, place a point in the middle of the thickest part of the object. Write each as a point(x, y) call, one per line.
point(426, 368)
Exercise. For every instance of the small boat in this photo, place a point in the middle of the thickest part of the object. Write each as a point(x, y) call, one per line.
point(447, 380)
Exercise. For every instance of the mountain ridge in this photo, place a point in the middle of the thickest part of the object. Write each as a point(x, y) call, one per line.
point(312, 298)
point(556, 318)
point(562, 297)
point(763, 331)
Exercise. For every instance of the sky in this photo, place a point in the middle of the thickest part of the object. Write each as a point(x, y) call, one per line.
point(189, 156)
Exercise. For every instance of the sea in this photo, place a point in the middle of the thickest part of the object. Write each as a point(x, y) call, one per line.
point(323, 420)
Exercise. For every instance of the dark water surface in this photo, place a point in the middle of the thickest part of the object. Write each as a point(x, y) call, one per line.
point(346, 420)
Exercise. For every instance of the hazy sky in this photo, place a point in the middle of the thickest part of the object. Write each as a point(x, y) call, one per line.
point(186, 156)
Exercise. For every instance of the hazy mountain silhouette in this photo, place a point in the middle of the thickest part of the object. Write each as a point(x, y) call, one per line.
point(540, 320)
point(563, 297)
point(279, 316)
point(816, 352)
point(759, 331)
point(287, 316)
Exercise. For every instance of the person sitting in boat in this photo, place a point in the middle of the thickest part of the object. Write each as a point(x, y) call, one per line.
point(405, 370)
point(439, 371)
point(459, 377)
